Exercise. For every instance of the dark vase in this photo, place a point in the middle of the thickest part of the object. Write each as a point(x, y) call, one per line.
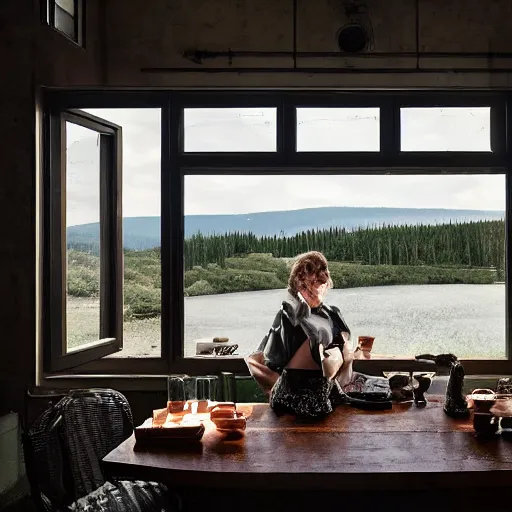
point(455, 404)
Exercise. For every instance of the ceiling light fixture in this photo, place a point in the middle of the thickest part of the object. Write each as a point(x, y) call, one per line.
point(357, 35)
point(352, 38)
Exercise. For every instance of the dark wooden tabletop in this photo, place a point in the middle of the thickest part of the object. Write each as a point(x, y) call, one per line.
point(406, 447)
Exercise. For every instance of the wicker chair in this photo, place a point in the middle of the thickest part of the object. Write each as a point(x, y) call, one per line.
point(63, 452)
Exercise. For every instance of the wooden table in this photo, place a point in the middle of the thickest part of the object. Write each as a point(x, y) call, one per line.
point(407, 448)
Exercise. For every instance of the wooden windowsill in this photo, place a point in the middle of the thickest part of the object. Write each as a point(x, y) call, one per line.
point(133, 382)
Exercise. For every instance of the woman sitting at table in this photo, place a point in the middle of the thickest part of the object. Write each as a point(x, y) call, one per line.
point(306, 358)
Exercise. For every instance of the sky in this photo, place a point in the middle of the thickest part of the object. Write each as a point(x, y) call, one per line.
point(255, 129)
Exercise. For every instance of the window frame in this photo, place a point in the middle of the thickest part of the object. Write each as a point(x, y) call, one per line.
point(176, 164)
point(53, 102)
point(111, 263)
point(48, 17)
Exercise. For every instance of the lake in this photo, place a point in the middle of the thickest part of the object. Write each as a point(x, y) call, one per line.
point(468, 320)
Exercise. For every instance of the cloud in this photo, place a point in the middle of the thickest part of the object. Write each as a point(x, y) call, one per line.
point(242, 194)
point(141, 164)
point(242, 128)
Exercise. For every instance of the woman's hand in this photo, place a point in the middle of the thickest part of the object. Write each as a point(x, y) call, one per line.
point(332, 361)
point(346, 372)
point(349, 358)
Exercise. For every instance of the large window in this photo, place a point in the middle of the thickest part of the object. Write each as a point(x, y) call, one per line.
point(178, 216)
point(417, 261)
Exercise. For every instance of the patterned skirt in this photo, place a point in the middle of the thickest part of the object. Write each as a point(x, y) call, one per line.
point(304, 393)
point(308, 393)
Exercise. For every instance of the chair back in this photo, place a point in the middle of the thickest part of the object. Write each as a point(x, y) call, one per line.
point(65, 445)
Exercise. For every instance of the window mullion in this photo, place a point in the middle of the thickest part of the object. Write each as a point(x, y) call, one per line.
point(389, 128)
point(172, 232)
point(111, 267)
point(287, 130)
point(51, 12)
point(498, 128)
point(107, 243)
point(59, 321)
point(508, 227)
point(76, 20)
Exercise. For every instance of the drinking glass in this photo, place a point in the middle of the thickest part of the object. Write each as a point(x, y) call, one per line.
point(228, 387)
point(176, 393)
point(365, 344)
point(207, 387)
point(199, 392)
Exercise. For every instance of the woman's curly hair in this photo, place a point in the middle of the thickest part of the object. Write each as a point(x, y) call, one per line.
point(309, 264)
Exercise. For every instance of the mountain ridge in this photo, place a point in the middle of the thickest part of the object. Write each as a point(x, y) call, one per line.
point(144, 232)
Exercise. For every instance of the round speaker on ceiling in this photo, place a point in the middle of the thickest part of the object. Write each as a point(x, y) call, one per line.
point(352, 38)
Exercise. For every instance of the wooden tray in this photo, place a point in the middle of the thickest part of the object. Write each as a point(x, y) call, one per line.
point(168, 435)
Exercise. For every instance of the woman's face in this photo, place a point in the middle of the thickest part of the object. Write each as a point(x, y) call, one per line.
point(315, 288)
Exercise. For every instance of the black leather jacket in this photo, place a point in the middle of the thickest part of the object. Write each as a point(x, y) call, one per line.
point(284, 338)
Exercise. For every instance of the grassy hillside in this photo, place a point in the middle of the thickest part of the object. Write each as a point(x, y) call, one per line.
point(451, 253)
point(248, 273)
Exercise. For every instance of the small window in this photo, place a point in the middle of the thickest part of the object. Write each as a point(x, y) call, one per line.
point(445, 129)
point(214, 130)
point(338, 129)
point(66, 16)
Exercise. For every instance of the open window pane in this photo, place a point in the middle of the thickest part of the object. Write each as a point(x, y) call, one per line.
point(83, 252)
point(230, 130)
point(445, 129)
point(141, 201)
point(67, 5)
point(338, 129)
point(65, 22)
point(417, 261)
point(84, 190)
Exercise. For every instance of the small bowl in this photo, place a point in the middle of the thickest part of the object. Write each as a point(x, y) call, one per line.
point(236, 424)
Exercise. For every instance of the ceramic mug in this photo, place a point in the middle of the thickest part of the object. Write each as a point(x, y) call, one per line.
point(483, 400)
point(485, 423)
